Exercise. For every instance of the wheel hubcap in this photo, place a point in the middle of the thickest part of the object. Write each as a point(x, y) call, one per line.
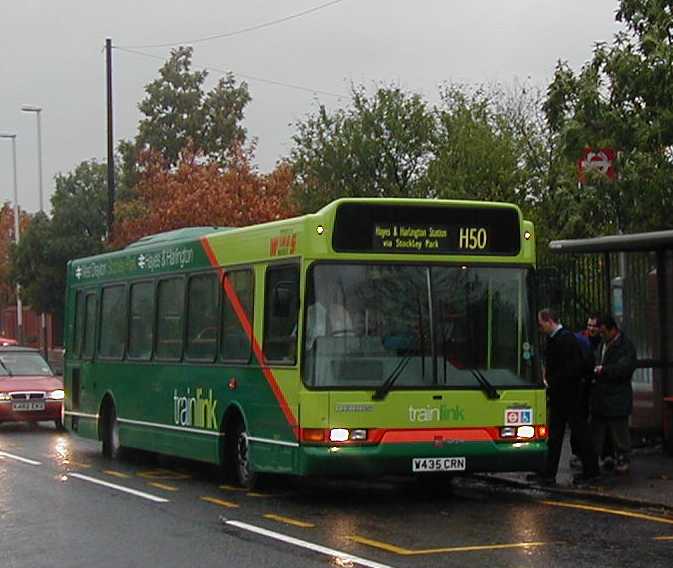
point(114, 438)
point(243, 455)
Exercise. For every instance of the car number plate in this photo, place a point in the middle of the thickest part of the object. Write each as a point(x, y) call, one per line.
point(28, 405)
point(438, 464)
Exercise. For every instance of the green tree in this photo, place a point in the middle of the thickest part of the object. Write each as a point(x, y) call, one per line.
point(479, 149)
point(379, 147)
point(623, 98)
point(178, 111)
point(77, 228)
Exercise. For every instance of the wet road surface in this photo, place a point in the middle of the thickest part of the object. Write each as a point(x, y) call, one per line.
point(63, 504)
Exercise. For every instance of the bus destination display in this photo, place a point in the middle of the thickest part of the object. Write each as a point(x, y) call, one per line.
point(391, 228)
point(402, 237)
point(429, 238)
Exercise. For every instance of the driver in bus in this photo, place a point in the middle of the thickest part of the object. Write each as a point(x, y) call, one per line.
point(328, 317)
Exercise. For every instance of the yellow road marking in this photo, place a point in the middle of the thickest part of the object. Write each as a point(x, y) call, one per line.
point(663, 538)
point(289, 521)
point(241, 490)
point(77, 464)
point(665, 520)
point(161, 474)
point(408, 552)
point(162, 486)
point(220, 502)
point(114, 473)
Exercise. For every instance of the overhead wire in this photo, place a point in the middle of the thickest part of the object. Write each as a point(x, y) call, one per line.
point(238, 32)
point(243, 75)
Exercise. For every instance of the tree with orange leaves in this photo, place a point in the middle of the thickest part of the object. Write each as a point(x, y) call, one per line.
point(7, 240)
point(200, 192)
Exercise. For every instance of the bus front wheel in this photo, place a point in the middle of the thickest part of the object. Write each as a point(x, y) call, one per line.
point(243, 472)
point(111, 446)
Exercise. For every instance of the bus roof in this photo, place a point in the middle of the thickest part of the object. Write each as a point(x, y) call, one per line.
point(316, 235)
point(187, 233)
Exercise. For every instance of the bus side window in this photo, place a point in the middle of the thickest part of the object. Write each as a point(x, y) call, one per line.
point(89, 328)
point(170, 308)
point(202, 309)
point(238, 286)
point(78, 332)
point(280, 314)
point(112, 322)
point(141, 328)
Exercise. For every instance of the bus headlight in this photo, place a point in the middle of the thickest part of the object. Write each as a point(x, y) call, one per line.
point(57, 394)
point(525, 432)
point(5, 396)
point(338, 435)
point(346, 435)
point(358, 435)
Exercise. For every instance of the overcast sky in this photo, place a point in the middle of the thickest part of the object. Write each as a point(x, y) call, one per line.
point(51, 56)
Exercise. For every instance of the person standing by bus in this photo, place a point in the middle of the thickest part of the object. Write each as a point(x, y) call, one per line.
point(612, 397)
point(563, 367)
point(590, 340)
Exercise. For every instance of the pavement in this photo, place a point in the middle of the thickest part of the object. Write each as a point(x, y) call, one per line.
point(649, 483)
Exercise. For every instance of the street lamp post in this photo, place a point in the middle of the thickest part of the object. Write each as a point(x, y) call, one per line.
point(19, 307)
point(38, 113)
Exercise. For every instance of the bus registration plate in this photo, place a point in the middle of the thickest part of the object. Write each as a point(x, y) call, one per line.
point(438, 464)
point(28, 405)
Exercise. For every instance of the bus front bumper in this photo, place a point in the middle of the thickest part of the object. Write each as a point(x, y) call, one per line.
point(398, 459)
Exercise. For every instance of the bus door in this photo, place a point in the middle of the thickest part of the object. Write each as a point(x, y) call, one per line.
point(276, 412)
point(78, 374)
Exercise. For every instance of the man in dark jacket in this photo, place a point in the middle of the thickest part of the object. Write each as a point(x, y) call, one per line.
point(563, 373)
point(612, 395)
point(588, 364)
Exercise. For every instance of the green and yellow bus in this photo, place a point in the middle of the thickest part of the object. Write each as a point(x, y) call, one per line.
point(376, 336)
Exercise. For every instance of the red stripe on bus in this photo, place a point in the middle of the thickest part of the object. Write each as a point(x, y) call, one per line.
point(435, 435)
point(247, 328)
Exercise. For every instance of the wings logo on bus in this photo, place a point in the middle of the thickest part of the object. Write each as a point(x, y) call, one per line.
point(284, 244)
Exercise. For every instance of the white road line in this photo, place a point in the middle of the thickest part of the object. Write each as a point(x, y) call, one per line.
point(19, 458)
point(342, 556)
point(119, 488)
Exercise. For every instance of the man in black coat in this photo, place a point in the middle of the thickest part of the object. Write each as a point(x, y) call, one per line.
point(563, 374)
point(612, 394)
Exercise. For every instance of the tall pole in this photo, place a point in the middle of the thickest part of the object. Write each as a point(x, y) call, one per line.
point(39, 158)
point(19, 307)
point(110, 140)
point(38, 112)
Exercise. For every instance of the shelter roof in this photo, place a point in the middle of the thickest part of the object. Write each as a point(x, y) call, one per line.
point(616, 243)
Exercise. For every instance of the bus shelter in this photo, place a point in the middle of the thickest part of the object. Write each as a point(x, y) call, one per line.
point(637, 288)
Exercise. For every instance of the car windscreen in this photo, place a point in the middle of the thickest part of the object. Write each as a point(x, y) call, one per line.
point(23, 364)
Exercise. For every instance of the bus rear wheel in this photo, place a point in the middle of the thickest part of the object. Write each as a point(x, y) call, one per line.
point(244, 475)
point(111, 445)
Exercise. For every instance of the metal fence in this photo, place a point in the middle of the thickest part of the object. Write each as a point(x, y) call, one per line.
point(623, 284)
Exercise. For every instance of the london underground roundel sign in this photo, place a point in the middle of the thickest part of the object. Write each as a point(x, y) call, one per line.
point(599, 160)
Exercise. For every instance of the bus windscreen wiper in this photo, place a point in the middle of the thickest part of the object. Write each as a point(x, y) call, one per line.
point(381, 392)
point(491, 392)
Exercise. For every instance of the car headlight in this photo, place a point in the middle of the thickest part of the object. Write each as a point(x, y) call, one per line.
point(58, 394)
point(5, 396)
